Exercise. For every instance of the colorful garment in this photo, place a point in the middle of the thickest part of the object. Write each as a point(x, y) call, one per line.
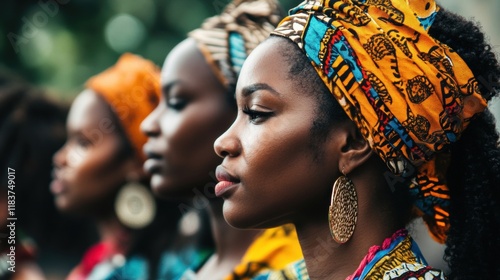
point(227, 39)
point(397, 258)
point(409, 95)
point(135, 267)
point(294, 271)
point(98, 262)
point(173, 265)
point(25, 253)
point(101, 263)
point(273, 250)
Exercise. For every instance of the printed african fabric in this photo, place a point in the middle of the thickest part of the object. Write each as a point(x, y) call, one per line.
point(275, 248)
point(409, 95)
point(398, 258)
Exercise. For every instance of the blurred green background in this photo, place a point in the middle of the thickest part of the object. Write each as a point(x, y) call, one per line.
point(58, 44)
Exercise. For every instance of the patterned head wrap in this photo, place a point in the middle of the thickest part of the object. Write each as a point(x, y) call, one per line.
point(132, 88)
point(410, 95)
point(226, 40)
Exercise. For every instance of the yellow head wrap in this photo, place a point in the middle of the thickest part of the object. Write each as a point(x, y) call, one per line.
point(410, 95)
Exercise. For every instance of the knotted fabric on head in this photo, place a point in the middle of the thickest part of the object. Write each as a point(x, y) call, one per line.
point(410, 95)
point(227, 39)
point(132, 89)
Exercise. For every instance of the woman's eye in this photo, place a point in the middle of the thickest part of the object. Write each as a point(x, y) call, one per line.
point(79, 142)
point(82, 142)
point(176, 103)
point(256, 116)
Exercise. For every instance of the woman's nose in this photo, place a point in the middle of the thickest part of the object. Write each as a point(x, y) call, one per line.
point(228, 144)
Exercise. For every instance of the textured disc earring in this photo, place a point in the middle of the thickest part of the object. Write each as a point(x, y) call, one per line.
point(343, 210)
point(135, 206)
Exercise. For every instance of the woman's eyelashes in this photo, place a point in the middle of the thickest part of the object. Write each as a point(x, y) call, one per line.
point(174, 96)
point(256, 116)
point(176, 103)
point(81, 141)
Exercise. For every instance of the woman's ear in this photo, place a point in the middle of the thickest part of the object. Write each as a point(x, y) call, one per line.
point(354, 149)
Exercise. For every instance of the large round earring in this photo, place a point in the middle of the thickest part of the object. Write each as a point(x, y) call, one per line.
point(343, 210)
point(135, 206)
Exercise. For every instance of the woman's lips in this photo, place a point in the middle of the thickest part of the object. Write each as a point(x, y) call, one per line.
point(57, 187)
point(153, 162)
point(226, 181)
point(152, 165)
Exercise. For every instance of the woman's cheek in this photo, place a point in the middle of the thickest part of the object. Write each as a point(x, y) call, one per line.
point(76, 155)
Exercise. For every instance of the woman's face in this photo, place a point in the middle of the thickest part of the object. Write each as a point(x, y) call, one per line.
point(194, 110)
point(269, 175)
point(88, 169)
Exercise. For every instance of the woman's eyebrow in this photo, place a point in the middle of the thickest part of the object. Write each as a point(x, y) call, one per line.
point(250, 89)
point(168, 86)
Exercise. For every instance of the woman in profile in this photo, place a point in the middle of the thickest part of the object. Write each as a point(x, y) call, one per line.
point(198, 82)
point(32, 128)
point(356, 117)
point(98, 173)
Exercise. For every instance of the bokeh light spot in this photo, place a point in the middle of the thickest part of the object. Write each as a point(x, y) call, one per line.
point(124, 33)
point(37, 49)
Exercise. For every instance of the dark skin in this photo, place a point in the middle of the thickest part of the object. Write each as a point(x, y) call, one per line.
point(269, 160)
point(193, 111)
point(89, 170)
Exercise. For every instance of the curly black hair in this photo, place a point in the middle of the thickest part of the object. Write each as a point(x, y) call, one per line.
point(473, 176)
point(473, 241)
point(32, 128)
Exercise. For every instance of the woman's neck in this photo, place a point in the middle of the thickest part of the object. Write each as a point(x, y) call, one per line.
point(327, 259)
point(231, 244)
point(111, 231)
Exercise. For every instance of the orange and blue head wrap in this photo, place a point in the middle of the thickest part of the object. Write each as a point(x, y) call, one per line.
point(410, 95)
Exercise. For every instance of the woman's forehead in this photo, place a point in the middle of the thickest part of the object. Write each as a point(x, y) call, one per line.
point(265, 62)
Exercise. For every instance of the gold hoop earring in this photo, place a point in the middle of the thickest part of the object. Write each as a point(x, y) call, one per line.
point(343, 210)
point(135, 206)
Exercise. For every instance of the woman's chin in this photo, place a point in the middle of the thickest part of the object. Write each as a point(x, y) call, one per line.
point(244, 219)
point(67, 206)
point(62, 204)
point(157, 184)
point(167, 188)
